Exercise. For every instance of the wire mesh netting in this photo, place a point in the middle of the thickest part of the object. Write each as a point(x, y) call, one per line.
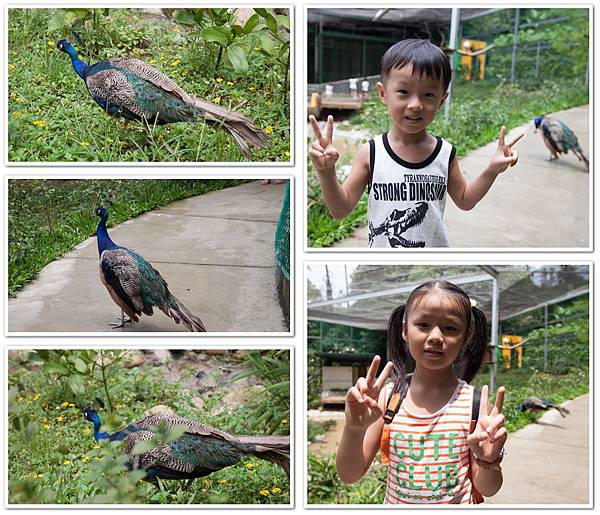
point(365, 295)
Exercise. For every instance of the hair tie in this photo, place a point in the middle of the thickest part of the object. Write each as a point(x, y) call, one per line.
point(473, 302)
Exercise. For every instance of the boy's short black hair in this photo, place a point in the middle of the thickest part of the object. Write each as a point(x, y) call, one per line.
point(425, 57)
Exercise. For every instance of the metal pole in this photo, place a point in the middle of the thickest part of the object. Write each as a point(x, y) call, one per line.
point(514, 48)
point(454, 24)
point(537, 60)
point(545, 336)
point(494, 343)
point(319, 53)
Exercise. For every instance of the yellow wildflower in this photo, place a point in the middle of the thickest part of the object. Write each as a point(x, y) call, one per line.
point(176, 62)
point(87, 430)
point(65, 404)
point(20, 398)
point(11, 66)
point(51, 43)
point(20, 100)
point(219, 79)
point(39, 123)
point(252, 88)
point(71, 405)
point(257, 48)
point(67, 462)
point(84, 143)
point(222, 482)
point(46, 426)
point(97, 458)
point(152, 61)
point(249, 466)
point(269, 129)
point(229, 83)
point(118, 406)
point(36, 397)
point(275, 490)
point(287, 154)
point(59, 419)
point(263, 492)
point(206, 482)
point(217, 100)
point(85, 459)
point(285, 420)
point(184, 73)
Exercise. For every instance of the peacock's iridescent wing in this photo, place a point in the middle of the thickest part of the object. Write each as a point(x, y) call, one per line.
point(122, 273)
point(569, 140)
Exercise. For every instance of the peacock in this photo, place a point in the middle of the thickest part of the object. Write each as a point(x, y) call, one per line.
point(130, 88)
point(198, 452)
point(133, 283)
point(539, 404)
point(558, 138)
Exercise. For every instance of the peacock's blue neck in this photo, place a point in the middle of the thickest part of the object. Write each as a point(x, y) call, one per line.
point(78, 65)
point(104, 241)
point(99, 435)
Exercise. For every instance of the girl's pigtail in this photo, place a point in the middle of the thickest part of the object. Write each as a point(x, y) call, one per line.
point(473, 351)
point(398, 352)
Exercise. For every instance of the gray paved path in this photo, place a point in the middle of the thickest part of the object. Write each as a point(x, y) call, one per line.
point(536, 204)
point(215, 251)
point(548, 462)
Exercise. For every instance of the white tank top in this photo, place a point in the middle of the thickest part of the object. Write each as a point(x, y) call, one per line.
point(407, 200)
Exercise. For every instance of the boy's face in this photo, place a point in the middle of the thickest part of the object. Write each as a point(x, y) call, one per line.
point(412, 100)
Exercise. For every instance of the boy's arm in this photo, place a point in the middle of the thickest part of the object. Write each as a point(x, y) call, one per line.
point(340, 199)
point(465, 194)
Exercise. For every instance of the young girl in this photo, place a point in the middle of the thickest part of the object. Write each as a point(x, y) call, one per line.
point(424, 421)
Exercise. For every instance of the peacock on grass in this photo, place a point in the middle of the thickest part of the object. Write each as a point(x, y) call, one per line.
point(558, 138)
point(198, 452)
point(134, 285)
point(130, 88)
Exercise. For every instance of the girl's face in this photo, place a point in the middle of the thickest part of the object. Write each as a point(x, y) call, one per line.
point(435, 331)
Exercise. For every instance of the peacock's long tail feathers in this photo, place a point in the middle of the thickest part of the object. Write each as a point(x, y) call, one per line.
point(244, 132)
point(273, 448)
point(179, 313)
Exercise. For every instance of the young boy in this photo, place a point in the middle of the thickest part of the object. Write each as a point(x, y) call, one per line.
point(407, 170)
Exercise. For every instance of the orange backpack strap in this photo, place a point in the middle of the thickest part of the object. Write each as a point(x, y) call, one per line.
point(391, 408)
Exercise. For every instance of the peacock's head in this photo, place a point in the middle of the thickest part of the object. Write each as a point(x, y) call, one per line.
point(64, 46)
point(102, 212)
point(90, 414)
point(538, 121)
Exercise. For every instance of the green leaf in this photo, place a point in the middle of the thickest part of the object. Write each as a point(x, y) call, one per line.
point(80, 366)
point(271, 23)
point(263, 13)
point(142, 447)
point(215, 35)
point(237, 58)
point(58, 21)
point(251, 23)
point(266, 42)
point(55, 367)
point(283, 20)
point(184, 17)
point(79, 13)
point(76, 384)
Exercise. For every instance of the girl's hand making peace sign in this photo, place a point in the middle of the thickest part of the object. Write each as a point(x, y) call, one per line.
point(322, 152)
point(489, 436)
point(505, 156)
point(362, 408)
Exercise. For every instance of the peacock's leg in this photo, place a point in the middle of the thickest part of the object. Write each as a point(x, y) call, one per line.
point(122, 321)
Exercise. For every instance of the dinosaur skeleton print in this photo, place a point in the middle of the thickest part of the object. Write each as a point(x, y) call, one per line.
point(407, 200)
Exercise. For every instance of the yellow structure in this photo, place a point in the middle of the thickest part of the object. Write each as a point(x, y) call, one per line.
point(510, 343)
point(467, 61)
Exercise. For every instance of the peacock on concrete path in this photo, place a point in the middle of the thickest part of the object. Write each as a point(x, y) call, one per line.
point(130, 88)
point(539, 404)
point(134, 285)
point(199, 451)
point(558, 138)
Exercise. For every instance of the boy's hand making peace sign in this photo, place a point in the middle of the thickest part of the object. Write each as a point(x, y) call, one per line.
point(505, 156)
point(362, 408)
point(322, 152)
point(489, 436)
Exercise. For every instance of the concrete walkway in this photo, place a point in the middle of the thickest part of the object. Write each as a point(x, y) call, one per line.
point(548, 462)
point(538, 203)
point(216, 251)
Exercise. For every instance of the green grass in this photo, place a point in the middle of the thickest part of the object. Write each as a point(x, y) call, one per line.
point(51, 116)
point(53, 457)
point(47, 218)
point(477, 112)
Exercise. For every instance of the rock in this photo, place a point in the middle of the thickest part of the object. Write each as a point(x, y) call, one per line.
point(161, 355)
point(160, 409)
point(135, 360)
point(240, 397)
point(198, 402)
